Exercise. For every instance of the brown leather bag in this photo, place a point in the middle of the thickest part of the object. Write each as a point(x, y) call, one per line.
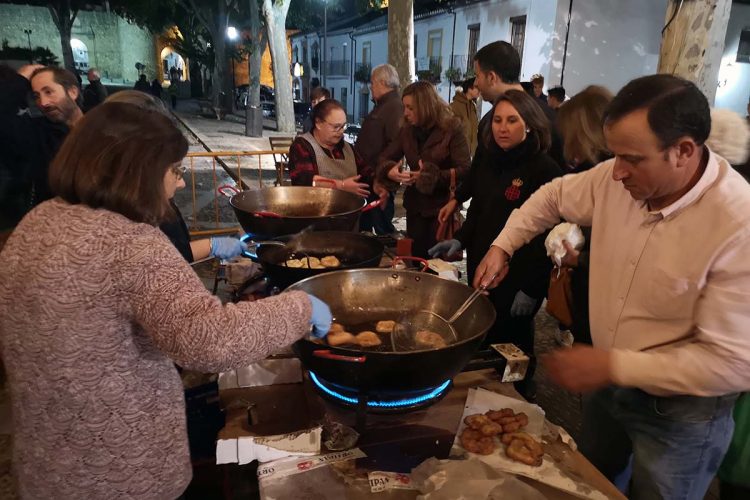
point(446, 230)
point(560, 295)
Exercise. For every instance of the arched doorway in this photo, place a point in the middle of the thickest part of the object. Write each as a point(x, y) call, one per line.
point(169, 60)
point(80, 55)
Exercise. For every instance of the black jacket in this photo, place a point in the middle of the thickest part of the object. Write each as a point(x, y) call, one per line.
point(177, 232)
point(500, 183)
point(27, 146)
point(94, 95)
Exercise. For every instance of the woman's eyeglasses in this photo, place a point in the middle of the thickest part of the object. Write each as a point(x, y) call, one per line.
point(179, 171)
point(336, 127)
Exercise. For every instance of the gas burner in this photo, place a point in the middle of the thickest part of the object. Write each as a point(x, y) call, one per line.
point(382, 402)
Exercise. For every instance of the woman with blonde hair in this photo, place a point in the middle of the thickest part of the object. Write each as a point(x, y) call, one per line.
point(580, 123)
point(433, 145)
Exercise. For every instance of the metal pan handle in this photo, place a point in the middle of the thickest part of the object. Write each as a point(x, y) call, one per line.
point(326, 354)
point(400, 258)
point(323, 180)
point(372, 205)
point(227, 190)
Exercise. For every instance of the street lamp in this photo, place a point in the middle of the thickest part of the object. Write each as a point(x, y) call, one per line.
point(233, 35)
point(28, 37)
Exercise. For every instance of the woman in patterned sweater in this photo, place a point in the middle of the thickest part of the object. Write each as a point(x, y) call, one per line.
point(97, 304)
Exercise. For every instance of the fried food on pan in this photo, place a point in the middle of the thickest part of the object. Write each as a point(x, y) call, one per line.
point(330, 261)
point(385, 326)
point(310, 263)
point(336, 327)
point(294, 263)
point(525, 449)
point(368, 339)
point(474, 442)
point(429, 339)
point(340, 338)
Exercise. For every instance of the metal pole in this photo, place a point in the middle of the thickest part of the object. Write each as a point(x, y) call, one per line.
point(325, 41)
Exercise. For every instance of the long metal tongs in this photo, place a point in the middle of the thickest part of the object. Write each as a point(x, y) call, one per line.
point(469, 301)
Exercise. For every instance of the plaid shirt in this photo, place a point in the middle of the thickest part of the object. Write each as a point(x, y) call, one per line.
point(303, 165)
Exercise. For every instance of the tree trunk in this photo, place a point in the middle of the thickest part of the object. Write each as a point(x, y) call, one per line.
point(221, 79)
point(693, 43)
point(401, 39)
point(275, 12)
point(63, 17)
point(258, 40)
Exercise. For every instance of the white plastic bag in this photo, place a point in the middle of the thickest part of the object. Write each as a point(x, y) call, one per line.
point(563, 232)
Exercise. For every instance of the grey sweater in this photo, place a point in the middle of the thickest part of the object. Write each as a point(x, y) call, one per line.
point(93, 310)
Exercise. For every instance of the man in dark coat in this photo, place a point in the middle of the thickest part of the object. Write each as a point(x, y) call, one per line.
point(380, 128)
point(29, 144)
point(95, 92)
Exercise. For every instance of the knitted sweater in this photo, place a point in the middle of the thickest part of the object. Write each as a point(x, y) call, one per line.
point(94, 309)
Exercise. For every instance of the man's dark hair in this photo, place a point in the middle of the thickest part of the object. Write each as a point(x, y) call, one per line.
point(467, 84)
point(320, 92)
point(557, 92)
point(500, 58)
point(536, 121)
point(676, 107)
point(63, 77)
point(116, 158)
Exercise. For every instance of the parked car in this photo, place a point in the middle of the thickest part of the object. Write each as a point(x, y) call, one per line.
point(241, 95)
point(352, 132)
point(301, 111)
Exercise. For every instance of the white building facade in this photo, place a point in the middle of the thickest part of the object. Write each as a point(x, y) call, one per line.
point(573, 43)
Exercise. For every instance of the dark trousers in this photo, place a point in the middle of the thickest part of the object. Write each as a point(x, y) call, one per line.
point(422, 230)
point(673, 445)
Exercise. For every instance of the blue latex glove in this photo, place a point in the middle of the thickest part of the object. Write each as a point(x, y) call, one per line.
point(445, 248)
point(226, 248)
point(523, 305)
point(321, 317)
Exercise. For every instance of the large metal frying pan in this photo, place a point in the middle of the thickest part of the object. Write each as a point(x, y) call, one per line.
point(356, 295)
point(276, 211)
point(354, 250)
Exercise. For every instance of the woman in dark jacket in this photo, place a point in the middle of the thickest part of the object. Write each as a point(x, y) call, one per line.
point(433, 142)
point(580, 123)
point(514, 167)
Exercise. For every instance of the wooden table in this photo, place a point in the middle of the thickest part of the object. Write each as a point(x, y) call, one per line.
point(392, 442)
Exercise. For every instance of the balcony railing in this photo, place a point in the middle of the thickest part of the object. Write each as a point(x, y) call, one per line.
point(338, 68)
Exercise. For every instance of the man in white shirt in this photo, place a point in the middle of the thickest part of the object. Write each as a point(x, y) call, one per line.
point(669, 290)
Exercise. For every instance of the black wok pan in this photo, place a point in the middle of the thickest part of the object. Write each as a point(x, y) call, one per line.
point(276, 211)
point(359, 294)
point(354, 250)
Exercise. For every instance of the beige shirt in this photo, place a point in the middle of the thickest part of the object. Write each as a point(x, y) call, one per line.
point(669, 290)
